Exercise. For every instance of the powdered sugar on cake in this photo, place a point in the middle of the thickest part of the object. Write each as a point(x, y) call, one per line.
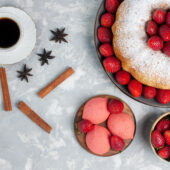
point(132, 42)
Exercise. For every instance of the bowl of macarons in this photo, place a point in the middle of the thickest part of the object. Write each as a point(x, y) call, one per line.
point(160, 137)
point(104, 125)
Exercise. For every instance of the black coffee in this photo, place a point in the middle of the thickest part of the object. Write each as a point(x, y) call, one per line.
point(9, 32)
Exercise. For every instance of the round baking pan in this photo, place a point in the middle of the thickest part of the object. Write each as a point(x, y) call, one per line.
point(124, 89)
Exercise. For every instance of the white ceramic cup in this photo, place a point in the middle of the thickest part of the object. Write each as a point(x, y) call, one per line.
point(26, 42)
point(21, 30)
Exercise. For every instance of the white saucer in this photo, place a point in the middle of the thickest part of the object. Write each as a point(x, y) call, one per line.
point(27, 40)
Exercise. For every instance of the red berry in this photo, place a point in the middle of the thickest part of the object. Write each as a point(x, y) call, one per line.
point(157, 139)
point(166, 48)
point(156, 43)
point(163, 96)
point(112, 5)
point(163, 125)
point(164, 32)
point(164, 152)
point(167, 137)
point(112, 64)
point(123, 77)
point(168, 19)
point(115, 106)
point(107, 19)
point(106, 50)
point(159, 16)
point(151, 28)
point(85, 126)
point(104, 35)
point(135, 88)
point(117, 143)
point(149, 92)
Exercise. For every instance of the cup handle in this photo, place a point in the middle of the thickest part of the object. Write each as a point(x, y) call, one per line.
point(5, 90)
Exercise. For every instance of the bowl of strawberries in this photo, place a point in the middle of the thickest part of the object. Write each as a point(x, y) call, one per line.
point(158, 39)
point(104, 125)
point(160, 137)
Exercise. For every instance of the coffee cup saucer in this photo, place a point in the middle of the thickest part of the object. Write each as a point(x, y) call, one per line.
point(26, 42)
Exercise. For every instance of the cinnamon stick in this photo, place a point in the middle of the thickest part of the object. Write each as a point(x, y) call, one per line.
point(5, 90)
point(56, 82)
point(34, 117)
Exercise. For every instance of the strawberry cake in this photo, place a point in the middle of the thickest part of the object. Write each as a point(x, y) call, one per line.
point(130, 43)
point(134, 38)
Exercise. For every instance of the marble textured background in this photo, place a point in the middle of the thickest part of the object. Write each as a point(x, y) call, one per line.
point(23, 145)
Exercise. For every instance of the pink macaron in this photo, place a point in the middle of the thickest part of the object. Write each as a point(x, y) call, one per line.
point(95, 110)
point(97, 140)
point(121, 125)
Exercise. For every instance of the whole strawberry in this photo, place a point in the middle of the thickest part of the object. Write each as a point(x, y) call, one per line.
point(112, 64)
point(149, 92)
point(115, 106)
point(122, 77)
point(164, 152)
point(111, 5)
point(167, 137)
point(157, 139)
point(155, 42)
point(106, 50)
point(85, 126)
point(107, 20)
point(163, 96)
point(159, 16)
point(151, 28)
point(135, 88)
point(164, 32)
point(104, 35)
point(117, 143)
point(163, 125)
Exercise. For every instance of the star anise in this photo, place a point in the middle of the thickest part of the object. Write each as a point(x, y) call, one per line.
point(45, 56)
point(58, 35)
point(23, 75)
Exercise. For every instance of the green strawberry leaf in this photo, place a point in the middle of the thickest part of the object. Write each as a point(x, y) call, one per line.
point(76, 127)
